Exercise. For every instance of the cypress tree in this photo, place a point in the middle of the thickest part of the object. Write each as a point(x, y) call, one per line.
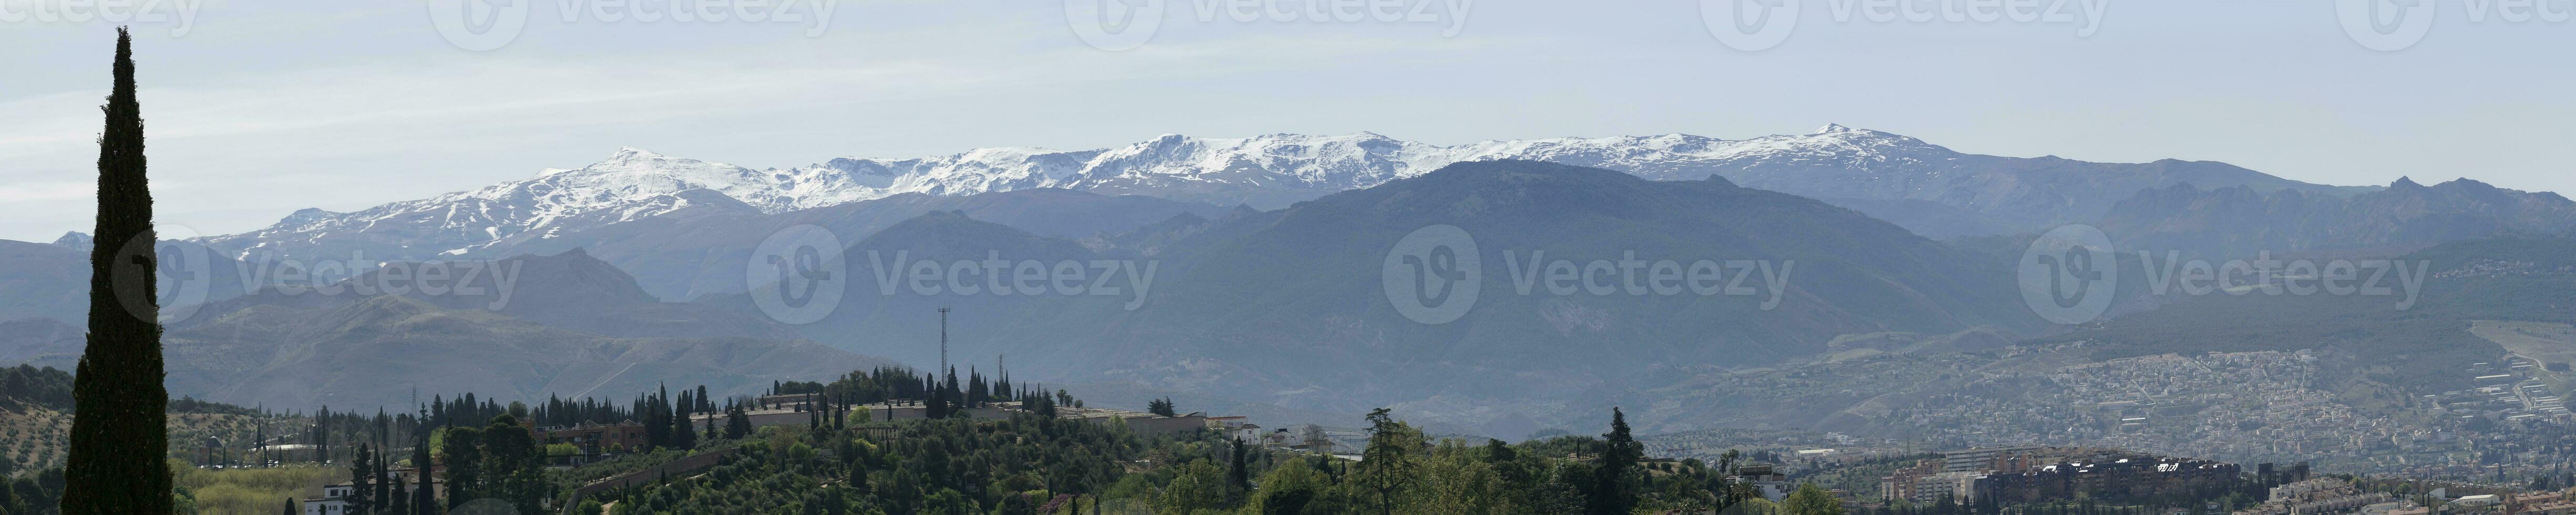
point(1239, 476)
point(361, 488)
point(423, 499)
point(384, 498)
point(118, 436)
point(399, 503)
point(683, 436)
point(1619, 454)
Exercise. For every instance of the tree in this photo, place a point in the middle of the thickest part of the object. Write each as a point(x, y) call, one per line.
point(1293, 490)
point(1162, 407)
point(384, 494)
point(398, 500)
point(737, 424)
point(1196, 486)
point(119, 434)
point(1237, 474)
point(1316, 439)
point(711, 434)
point(1389, 468)
point(423, 500)
point(1619, 454)
point(464, 464)
point(1456, 481)
point(513, 470)
point(1810, 499)
point(683, 436)
point(361, 488)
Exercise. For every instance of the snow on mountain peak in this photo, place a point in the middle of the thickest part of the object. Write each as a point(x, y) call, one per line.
point(1833, 127)
point(1270, 169)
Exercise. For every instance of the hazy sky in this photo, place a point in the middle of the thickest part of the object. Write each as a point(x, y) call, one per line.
point(257, 108)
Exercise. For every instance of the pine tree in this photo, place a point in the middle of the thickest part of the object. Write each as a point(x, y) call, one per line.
point(384, 498)
point(361, 488)
point(399, 502)
point(119, 435)
point(424, 498)
point(1619, 454)
point(1388, 467)
point(1239, 477)
point(683, 436)
point(737, 424)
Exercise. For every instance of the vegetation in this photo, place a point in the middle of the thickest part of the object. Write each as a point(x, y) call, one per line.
point(114, 466)
point(247, 490)
point(1033, 464)
point(841, 461)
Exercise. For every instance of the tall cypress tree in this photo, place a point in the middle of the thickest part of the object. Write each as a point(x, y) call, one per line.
point(118, 438)
point(423, 499)
point(1618, 461)
point(362, 489)
point(683, 436)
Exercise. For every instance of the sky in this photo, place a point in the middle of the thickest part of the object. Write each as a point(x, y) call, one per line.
point(255, 109)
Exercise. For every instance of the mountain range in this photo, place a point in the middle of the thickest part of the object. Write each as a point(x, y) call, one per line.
point(1929, 189)
point(1284, 306)
point(2239, 221)
point(1264, 254)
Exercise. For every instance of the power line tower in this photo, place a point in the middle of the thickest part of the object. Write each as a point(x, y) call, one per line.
point(943, 341)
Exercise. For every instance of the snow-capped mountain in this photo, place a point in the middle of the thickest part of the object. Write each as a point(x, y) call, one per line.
point(1926, 187)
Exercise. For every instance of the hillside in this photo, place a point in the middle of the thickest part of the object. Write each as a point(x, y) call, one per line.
point(571, 325)
point(2241, 221)
point(1236, 307)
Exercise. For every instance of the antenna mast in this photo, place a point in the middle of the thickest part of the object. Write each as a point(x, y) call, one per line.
point(943, 340)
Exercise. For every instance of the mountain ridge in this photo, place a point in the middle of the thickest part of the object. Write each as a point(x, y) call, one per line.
point(1878, 172)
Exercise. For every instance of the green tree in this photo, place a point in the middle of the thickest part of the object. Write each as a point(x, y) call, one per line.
point(1810, 499)
point(119, 434)
point(513, 469)
point(361, 488)
point(1292, 490)
point(1238, 476)
point(737, 424)
point(1456, 480)
point(464, 464)
point(423, 500)
point(398, 501)
point(1390, 466)
point(1199, 485)
point(1616, 492)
